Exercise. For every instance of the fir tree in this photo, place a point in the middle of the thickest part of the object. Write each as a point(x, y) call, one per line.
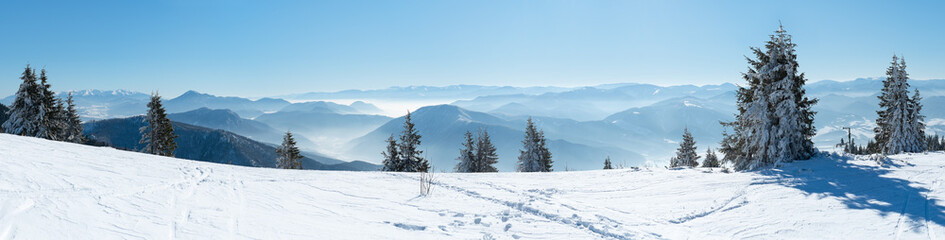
point(24, 115)
point(899, 126)
point(607, 164)
point(73, 130)
point(467, 155)
point(486, 157)
point(686, 153)
point(409, 149)
point(392, 157)
point(51, 120)
point(534, 157)
point(158, 135)
point(289, 156)
point(775, 120)
point(711, 160)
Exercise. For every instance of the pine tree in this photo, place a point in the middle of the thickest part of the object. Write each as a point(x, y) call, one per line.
point(409, 152)
point(288, 154)
point(607, 164)
point(711, 160)
point(392, 157)
point(52, 122)
point(25, 112)
point(534, 157)
point(158, 135)
point(899, 126)
point(686, 153)
point(775, 119)
point(486, 157)
point(467, 156)
point(916, 123)
point(73, 130)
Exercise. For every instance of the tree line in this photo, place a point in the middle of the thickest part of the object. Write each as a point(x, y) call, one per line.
point(38, 112)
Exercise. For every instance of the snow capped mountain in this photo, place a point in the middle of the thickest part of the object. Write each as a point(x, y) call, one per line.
point(55, 190)
point(246, 108)
point(410, 92)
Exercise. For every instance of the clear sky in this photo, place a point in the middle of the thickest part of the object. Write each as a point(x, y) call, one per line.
point(258, 48)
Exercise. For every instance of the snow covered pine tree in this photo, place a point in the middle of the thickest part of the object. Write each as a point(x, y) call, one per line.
point(467, 155)
point(288, 154)
point(477, 155)
point(24, 115)
point(409, 149)
point(535, 156)
point(73, 131)
point(158, 135)
point(607, 164)
point(775, 120)
point(486, 157)
point(686, 153)
point(711, 160)
point(52, 114)
point(392, 158)
point(899, 126)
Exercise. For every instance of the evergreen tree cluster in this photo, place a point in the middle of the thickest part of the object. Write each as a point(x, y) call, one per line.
point(38, 112)
point(477, 155)
point(158, 135)
point(404, 156)
point(535, 156)
point(775, 120)
point(899, 127)
point(935, 143)
point(711, 160)
point(686, 153)
point(608, 164)
point(288, 154)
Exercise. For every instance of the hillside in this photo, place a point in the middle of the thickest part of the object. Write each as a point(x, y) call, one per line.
point(54, 190)
point(204, 144)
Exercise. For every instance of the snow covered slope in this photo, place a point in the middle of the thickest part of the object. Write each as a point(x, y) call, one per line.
point(52, 190)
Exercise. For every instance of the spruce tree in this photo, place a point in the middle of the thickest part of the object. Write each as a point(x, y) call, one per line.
point(158, 135)
point(486, 157)
point(467, 155)
point(607, 164)
point(686, 153)
point(899, 126)
point(534, 157)
point(711, 160)
point(775, 119)
point(73, 130)
point(409, 148)
point(25, 114)
point(289, 156)
point(51, 120)
point(392, 159)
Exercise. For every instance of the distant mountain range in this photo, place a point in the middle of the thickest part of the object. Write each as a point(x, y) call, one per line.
point(442, 129)
point(589, 103)
point(425, 92)
point(246, 108)
point(629, 122)
point(204, 144)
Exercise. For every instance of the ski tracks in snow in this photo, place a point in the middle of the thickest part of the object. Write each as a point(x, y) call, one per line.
point(604, 231)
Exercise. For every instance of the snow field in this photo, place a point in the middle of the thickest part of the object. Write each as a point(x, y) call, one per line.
point(54, 190)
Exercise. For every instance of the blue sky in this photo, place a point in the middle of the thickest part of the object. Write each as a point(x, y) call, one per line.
point(260, 48)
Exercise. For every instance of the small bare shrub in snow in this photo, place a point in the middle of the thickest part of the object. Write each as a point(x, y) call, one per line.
point(426, 182)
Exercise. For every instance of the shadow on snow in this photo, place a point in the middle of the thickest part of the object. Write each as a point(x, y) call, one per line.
point(862, 187)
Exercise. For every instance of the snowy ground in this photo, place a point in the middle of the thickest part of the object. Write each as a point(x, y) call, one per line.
point(51, 190)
